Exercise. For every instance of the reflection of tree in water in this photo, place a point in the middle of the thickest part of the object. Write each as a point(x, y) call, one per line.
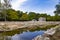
point(5, 37)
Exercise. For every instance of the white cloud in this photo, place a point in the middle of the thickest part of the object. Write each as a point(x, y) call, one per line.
point(2, 1)
point(17, 3)
point(55, 1)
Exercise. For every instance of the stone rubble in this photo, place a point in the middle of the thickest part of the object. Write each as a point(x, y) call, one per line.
point(50, 34)
point(6, 26)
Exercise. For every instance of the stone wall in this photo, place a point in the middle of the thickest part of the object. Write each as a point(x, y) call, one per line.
point(15, 25)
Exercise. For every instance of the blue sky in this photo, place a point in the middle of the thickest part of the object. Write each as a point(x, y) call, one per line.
point(39, 6)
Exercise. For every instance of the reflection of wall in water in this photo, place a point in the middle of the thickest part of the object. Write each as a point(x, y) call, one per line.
point(5, 37)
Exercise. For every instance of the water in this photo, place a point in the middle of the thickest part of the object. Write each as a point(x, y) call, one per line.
point(26, 35)
point(23, 36)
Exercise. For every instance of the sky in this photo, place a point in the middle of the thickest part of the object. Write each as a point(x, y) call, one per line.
point(38, 6)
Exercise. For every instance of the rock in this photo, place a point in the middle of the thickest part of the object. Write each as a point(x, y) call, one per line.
point(50, 31)
point(50, 34)
point(56, 35)
point(40, 37)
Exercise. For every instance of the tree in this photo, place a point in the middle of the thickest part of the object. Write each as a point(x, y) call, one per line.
point(20, 13)
point(0, 3)
point(24, 17)
point(32, 15)
point(7, 4)
point(37, 16)
point(12, 15)
point(57, 9)
point(43, 15)
point(1, 16)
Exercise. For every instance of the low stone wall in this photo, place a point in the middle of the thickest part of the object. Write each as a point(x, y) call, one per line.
point(15, 25)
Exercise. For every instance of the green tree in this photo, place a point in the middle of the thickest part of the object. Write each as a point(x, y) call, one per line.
point(12, 15)
point(20, 13)
point(24, 17)
point(32, 15)
point(43, 15)
point(1, 16)
point(37, 16)
point(57, 9)
point(57, 17)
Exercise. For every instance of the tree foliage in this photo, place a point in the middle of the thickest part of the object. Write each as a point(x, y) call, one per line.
point(57, 9)
point(32, 15)
point(24, 17)
point(12, 15)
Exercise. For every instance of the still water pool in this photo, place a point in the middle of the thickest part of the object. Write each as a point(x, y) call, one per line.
point(23, 36)
point(26, 35)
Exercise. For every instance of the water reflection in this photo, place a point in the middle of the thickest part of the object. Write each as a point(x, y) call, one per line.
point(5, 37)
point(27, 35)
point(23, 36)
